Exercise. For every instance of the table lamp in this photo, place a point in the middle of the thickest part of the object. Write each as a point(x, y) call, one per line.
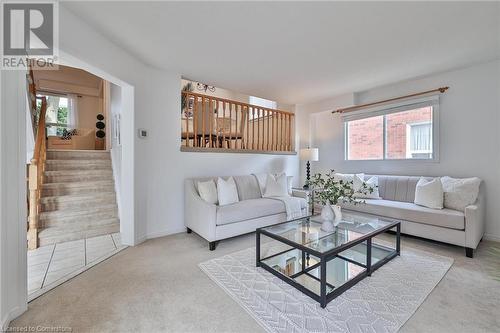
point(308, 154)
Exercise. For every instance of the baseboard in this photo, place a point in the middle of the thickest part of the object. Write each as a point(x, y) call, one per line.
point(491, 237)
point(166, 232)
point(13, 314)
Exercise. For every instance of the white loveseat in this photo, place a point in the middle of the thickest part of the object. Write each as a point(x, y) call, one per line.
point(462, 228)
point(214, 222)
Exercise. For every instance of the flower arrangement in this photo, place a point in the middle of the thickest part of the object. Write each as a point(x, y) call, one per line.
point(329, 192)
point(334, 191)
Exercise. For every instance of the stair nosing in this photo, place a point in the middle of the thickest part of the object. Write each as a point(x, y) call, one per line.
point(78, 212)
point(77, 196)
point(56, 231)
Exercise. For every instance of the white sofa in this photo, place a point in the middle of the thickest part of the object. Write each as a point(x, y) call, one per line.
point(446, 225)
point(214, 222)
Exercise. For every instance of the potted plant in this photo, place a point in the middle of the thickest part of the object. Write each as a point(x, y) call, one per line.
point(329, 192)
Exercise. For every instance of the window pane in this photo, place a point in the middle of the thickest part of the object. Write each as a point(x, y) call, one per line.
point(409, 134)
point(365, 139)
point(56, 115)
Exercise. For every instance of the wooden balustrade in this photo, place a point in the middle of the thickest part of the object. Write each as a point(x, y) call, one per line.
point(217, 124)
point(35, 177)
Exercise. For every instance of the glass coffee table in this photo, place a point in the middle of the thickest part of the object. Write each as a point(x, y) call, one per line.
point(323, 264)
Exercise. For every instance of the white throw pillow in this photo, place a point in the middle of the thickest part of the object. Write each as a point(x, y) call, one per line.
point(346, 177)
point(261, 179)
point(289, 180)
point(227, 191)
point(364, 193)
point(289, 183)
point(460, 192)
point(208, 191)
point(276, 186)
point(429, 193)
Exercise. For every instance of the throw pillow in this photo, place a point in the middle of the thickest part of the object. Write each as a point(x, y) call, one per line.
point(276, 186)
point(346, 177)
point(364, 192)
point(289, 182)
point(261, 179)
point(208, 191)
point(227, 191)
point(460, 192)
point(429, 193)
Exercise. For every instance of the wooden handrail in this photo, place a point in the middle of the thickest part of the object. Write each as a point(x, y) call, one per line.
point(40, 133)
point(35, 177)
point(221, 124)
point(234, 102)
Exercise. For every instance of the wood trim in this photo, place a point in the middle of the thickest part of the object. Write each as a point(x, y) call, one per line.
point(242, 151)
point(229, 132)
point(356, 107)
point(232, 101)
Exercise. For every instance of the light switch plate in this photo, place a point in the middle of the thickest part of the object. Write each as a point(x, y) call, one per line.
point(142, 133)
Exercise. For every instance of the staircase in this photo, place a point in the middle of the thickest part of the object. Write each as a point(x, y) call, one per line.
point(78, 198)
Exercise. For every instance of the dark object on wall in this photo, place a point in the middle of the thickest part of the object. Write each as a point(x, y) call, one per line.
point(204, 87)
point(100, 126)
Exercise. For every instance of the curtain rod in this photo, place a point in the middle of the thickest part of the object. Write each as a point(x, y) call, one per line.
point(356, 107)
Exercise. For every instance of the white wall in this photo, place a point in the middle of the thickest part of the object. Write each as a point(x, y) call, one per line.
point(154, 181)
point(469, 132)
point(116, 147)
point(160, 167)
point(13, 270)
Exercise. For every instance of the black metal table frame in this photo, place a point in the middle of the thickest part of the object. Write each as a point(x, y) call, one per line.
point(324, 298)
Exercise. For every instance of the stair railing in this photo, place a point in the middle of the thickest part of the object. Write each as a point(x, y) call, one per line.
point(216, 124)
point(35, 176)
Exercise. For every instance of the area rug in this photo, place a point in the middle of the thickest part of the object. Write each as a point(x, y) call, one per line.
point(380, 303)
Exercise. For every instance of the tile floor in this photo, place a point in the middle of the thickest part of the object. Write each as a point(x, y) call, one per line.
point(51, 265)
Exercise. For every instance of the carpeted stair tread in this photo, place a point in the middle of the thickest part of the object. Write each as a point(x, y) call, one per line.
point(78, 196)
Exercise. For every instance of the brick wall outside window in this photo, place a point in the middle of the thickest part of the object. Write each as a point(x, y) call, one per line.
point(365, 136)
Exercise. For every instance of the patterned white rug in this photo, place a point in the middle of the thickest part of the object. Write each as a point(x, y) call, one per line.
point(380, 303)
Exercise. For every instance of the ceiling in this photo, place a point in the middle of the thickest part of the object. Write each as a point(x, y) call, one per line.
point(298, 52)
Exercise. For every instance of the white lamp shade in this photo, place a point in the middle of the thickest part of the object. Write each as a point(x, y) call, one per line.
point(309, 154)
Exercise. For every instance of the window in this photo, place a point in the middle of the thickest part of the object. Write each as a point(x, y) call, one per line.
point(265, 103)
point(393, 133)
point(419, 140)
point(60, 114)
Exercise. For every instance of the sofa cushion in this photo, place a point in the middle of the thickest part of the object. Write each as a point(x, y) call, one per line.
point(248, 187)
point(408, 211)
point(399, 188)
point(251, 209)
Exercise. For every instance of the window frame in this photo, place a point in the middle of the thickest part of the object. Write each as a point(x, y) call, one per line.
point(435, 139)
point(60, 95)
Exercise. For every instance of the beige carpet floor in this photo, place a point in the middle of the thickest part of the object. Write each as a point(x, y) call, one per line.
point(158, 287)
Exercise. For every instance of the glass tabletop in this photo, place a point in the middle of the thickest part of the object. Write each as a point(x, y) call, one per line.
point(307, 231)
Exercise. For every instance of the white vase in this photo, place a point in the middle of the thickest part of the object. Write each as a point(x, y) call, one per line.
point(327, 216)
point(337, 211)
point(327, 213)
